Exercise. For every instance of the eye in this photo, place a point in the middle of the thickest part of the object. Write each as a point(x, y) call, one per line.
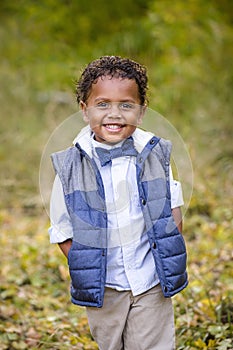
point(127, 105)
point(102, 105)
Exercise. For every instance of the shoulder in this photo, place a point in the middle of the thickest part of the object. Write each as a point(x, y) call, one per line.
point(61, 155)
point(165, 144)
point(142, 138)
point(63, 158)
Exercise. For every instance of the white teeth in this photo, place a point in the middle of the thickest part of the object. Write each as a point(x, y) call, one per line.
point(112, 126)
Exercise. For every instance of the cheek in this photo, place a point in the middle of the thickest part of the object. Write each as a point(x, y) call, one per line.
point(94, 118)
point(134, 121)
point(90, 118)
point(130, 130)
point(94, 123)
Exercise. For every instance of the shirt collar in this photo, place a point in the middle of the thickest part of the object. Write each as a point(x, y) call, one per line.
point(86, 140)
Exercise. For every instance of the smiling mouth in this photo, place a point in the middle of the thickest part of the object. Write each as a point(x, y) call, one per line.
point(113, 127)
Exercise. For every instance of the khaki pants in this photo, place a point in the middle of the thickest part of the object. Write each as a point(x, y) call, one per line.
point(144, 322)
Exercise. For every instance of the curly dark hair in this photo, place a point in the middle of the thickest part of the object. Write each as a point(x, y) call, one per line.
point(113, 66)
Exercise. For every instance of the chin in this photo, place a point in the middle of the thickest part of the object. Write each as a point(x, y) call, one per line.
point(111, 140)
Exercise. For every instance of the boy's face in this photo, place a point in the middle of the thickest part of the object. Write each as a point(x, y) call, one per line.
point(113, 109)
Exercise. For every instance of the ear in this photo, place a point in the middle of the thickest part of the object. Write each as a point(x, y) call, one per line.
point(141, 114)
point(83, 107)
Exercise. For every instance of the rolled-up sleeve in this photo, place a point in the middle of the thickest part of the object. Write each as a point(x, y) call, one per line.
point(176, 192)
point(61, 227)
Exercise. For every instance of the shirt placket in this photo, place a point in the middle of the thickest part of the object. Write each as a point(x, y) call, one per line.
point(122, 199)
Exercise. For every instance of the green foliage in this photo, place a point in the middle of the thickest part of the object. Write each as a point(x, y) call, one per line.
point(35, 310)
point(188, 49)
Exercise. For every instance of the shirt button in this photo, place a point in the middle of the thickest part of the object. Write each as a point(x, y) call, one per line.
point(152, 141)
point(154, 245)
point(143, 201)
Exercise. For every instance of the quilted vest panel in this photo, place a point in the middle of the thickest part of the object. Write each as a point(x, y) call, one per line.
point(85, 200)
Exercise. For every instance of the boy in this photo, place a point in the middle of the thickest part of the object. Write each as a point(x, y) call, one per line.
point(115, 213)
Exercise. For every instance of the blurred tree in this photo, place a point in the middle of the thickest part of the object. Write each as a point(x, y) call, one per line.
point(77, 24)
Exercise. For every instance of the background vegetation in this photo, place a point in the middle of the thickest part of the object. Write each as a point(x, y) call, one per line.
point(188, 49)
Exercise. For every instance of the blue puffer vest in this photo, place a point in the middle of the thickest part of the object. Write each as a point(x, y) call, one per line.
point(85, 200)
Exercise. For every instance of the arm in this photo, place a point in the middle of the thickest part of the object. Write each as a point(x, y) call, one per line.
point(61, 230)
point(176, 201)
point(177, 215)
point(65, 246)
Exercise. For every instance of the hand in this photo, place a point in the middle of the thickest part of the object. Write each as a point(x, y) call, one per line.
point(177, 215)
point(65, 246)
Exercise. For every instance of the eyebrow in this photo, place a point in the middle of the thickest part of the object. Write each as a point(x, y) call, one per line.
point(107, 99)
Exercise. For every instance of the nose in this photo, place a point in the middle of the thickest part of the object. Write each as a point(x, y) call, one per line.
point(114, 111)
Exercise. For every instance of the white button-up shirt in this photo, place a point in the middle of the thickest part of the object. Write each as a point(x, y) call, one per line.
point(130, 263)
